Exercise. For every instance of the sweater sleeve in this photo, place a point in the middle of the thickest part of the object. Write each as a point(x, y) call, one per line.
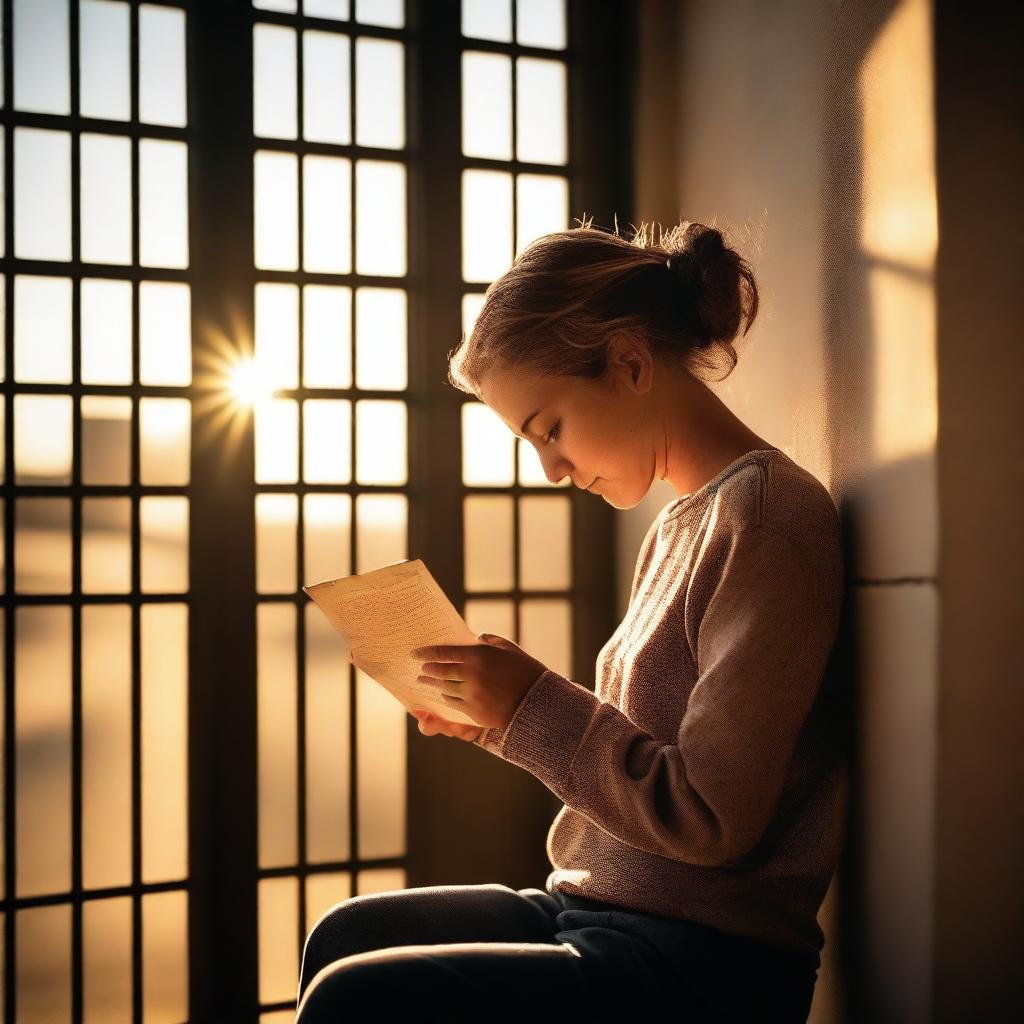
point(762, 645)
point(491, 739)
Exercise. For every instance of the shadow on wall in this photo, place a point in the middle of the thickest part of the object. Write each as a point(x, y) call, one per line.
point(877, 294)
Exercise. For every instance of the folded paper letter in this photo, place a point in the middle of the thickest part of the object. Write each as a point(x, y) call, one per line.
point(384, 614)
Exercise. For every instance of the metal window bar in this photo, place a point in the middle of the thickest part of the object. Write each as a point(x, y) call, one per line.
point(222, 761)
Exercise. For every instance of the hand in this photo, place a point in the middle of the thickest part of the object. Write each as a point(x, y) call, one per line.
point(487, 680)
point(431, 725)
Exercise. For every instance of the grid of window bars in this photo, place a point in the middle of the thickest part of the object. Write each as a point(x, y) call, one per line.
point(96, 408)
point(321, 93)
point(330, 313)
point(514, 184)
point(97, 411)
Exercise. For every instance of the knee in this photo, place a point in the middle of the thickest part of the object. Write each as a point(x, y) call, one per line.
point(338, 991)
point(379, 985)
point(341, 931)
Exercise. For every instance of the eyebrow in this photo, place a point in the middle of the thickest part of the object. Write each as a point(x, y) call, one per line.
point(526, 422)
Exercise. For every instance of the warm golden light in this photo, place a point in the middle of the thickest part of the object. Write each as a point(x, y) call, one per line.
point(250, 382)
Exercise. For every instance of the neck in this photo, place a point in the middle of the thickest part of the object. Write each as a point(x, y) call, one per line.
point(702, 437)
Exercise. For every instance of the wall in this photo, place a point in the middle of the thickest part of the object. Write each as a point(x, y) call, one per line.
point(807, 131)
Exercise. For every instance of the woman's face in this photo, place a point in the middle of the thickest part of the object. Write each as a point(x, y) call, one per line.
point(596, 432)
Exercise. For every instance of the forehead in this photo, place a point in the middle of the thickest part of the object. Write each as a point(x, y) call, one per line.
point(516, 393)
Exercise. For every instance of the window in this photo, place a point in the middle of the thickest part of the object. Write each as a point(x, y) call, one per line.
point(237, 243)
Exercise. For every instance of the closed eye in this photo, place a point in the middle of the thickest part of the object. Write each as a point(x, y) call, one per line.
point(553, 432)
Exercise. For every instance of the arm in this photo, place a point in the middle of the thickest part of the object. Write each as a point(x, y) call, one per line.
point(707, 797)
point(492, 739)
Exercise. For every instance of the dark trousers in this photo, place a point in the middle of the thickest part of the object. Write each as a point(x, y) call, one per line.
point(484, 953)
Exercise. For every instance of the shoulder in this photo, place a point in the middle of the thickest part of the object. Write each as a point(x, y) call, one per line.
point(774, 493)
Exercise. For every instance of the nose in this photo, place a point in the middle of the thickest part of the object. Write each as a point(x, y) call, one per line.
point(556, 471)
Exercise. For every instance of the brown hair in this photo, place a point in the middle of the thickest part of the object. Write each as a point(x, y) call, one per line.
point(555, 309)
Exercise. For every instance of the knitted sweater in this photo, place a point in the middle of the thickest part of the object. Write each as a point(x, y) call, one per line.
point(701, 780)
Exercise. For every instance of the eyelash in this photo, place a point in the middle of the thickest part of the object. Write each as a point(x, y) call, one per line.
point(553, 432)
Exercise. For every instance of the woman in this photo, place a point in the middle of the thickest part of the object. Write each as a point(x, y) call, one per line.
point(701, 779)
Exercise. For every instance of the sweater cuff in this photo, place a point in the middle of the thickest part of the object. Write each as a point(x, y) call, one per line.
point(547, 728)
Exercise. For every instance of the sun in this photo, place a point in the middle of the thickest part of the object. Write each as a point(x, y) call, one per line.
point(250, 383)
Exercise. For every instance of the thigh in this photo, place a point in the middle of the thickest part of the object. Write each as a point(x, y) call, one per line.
point(454, 982)
point(428, 915)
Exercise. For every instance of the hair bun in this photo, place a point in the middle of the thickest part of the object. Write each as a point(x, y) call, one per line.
point(708, 244)
point(711, 279)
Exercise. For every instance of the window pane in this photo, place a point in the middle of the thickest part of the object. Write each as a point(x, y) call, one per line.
point(487, 19)
point(381, 333)
point(545, 550)
point(42, 194)
point(277, 333)
point(328, 524)
point(472, 303)
point(106, 331)
point(165, 323)
point(381, 531)
point(381, 769)
point(541, 23)
point(278, 900)
point(165, 427)
point(380, 880)
point(337, 9)
point(163, 203)
point(106, 197)
point(486, 224)
point(327, 188)
point(165, 957)
point(163, 525)
point(162, 65)
point(288, 6)
point(490, 616)
point(42, 439)
point(43, 963)
point(106, 545)
point(541, 129)
point(277, 517)
point(487, 105)
point(327, 439)
point(274, 70)
point(42, 750)
point(325, 93)
point(487, 529)
point(381, 442)
point(107, 959)
point(103, 60)
point(164, 630)
point(276, 191)
point(106, 439)
point(106, 745)
point(542, 206)
point(389, 13)
point(42, 545)
point(41, 77)
point(327, 351)
point(380, 220)
point(380, 93)
point(278, 746)
point(546, 626)
point(276, 429)
point(324, 890)
point(327, 747)
point(42, 329)
point(487, 447)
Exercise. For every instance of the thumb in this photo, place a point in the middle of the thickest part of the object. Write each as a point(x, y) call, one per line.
point(496, 641)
